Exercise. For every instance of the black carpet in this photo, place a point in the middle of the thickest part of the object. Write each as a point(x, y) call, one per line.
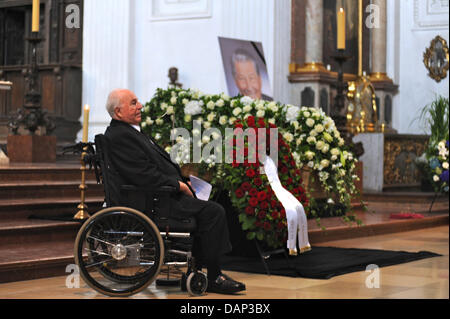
point(323, 262)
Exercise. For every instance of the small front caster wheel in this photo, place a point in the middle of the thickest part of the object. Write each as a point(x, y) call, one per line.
point(196, 283)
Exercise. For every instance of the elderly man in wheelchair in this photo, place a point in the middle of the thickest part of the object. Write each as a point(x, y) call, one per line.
point(120, 250)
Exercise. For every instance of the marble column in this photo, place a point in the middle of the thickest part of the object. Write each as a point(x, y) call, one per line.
point(379, 36)
point(314, 31)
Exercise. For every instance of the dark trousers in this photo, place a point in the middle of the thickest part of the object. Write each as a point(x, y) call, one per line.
point(211, 239)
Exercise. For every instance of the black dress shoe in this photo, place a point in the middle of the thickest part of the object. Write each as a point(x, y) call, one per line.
point(225, 285)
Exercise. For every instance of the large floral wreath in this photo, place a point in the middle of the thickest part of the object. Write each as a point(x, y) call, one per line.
point(307, 139)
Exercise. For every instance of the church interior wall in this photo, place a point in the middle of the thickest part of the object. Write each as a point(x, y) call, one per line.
point(410, 32)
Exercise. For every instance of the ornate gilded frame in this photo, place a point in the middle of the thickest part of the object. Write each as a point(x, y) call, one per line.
point(436, 55)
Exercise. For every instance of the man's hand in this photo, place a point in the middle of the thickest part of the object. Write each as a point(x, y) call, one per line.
point(185, 189)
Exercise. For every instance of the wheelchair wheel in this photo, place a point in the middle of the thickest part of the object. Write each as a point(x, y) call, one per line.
point(196, 283)
point(119, 251)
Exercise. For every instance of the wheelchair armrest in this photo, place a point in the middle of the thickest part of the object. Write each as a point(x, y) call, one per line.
point(162, 189)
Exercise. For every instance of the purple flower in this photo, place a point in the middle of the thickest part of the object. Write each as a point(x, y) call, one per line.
point(444, 176)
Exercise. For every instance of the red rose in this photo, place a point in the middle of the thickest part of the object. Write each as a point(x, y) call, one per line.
point(257, 181)
point(275, 215)
point(250, 210)
point(261, 122)
point(283, 213)
point(273, 203)
point(246, 186)
point(263, 205)
point(262, 196)
point(250, 173)
point(292, 163)
point(280, 225)
point(235, 164)
point(253, 192)
point(262, 214)
point(284, 170)
point(267, 226)
point(239, 193)
point(251, 121)
point(253, 202)
point(289, 181)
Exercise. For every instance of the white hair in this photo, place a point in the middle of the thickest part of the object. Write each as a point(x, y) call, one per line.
point(114, 101)
point(241, 55)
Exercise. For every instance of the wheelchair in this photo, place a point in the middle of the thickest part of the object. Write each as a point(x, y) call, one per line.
point(121, 249)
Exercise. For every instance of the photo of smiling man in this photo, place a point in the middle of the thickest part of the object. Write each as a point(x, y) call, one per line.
point(245, 69)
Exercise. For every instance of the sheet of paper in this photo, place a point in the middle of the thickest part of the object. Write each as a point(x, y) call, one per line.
point(202, 189)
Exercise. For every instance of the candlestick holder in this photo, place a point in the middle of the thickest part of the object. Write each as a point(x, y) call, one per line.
point(31, 116)
point(341, 86)
point(82, 207)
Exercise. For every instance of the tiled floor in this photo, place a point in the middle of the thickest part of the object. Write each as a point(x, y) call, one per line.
point(428, 278)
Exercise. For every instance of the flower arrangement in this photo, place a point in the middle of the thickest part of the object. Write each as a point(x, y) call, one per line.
point(307, 139)
point(260, 212)
point(434, 162)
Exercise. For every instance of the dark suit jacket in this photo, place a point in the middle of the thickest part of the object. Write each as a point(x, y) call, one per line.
point(141, 163)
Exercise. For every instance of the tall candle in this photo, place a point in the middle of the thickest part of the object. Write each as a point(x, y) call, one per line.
point(85, 124)
point(341, 29)
point(35, 16)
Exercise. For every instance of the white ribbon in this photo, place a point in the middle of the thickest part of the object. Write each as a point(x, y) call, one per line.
point(295, 213)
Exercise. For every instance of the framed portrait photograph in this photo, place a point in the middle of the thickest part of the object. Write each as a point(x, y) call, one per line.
point(245, 68)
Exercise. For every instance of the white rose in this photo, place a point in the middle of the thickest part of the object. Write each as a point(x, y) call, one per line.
point(445, 165)
point(325, 163)
point(325, 148)
point(207, 125)
point(220, 103)
point(288, 137)
point(334, 157)
point(170, 110)
point(334, 151)
point(436, 178)
point(215, 135)
point(187, 118)
point(149, 121)
point(306, 114)
point(313, 133)
point(185, 101)
point(299, 141)
point(163, 106)
point(143, 124)
point(206, 139)
point(211, 117)
point(193, 108)
point(319, 128)
point(309, 155)
point(157, 136)
point(246, 100)
point(237, 111)
point(232, 120)
point(260, 113)
point(247, 108)
point(159, 121)
point(320, 145)
point(210, 105)
point(310, 122)
point(311, 164)
point(223, 120)
point(292, 113)
point(311, 140)
point(296, 125)
point(173, 100)
point(272, 121)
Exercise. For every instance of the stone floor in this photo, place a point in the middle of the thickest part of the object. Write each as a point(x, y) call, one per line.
point(423, 279)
